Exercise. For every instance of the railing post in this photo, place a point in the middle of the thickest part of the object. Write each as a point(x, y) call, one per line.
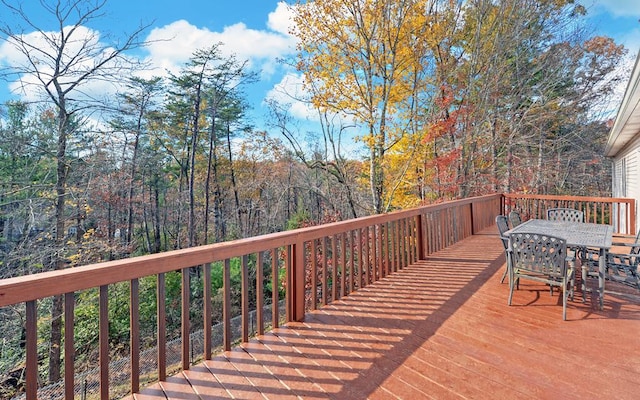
point(420, 229)
point(471, 207)
point(295, 282)
point(632, 208)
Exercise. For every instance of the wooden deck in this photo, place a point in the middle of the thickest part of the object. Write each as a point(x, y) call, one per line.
point(439, 329)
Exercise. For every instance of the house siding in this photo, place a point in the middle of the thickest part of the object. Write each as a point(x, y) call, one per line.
point(626, 174)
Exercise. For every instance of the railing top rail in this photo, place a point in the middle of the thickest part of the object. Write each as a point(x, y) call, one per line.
point(569, 198)
point(46, 284)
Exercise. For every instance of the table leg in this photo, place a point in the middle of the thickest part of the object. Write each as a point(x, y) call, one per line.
point(602, 265)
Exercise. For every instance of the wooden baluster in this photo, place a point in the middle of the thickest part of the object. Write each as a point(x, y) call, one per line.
point(360, 255)
point(334, 268)
point(161, 314)
point(226, 305)
point(366, 262)
point(393, 242)
point(343, 264)
point(32, 350)
point(323, 301)
point(208, 310)
point(69, 350)
point(314, 274)
point(373, 253)
point(244, 298)
point(352, 259)
point(104, 341)
point(134, 324)
point(260, 294)
point(275, 286)
point(186, 323)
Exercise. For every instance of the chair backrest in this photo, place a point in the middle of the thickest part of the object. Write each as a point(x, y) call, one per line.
point(503, 226)
point(635, 248)
point(514, 218)
point(539, 253)
point(565, 214)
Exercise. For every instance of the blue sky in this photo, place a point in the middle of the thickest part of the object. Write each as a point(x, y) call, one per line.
point(257, 30)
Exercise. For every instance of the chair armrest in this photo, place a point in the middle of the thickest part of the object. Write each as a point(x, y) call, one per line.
point(624, 235)
point(625, 244)
point(626, 256)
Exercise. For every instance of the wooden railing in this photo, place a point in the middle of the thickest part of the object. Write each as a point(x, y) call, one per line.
point(321, 264)
point(618, 212)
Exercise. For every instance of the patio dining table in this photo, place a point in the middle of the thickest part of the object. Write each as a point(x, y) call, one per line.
point(577, 234)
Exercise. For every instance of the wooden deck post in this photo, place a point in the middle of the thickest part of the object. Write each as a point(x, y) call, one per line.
point(420, 229)
point(473, 228)
point(295, 282)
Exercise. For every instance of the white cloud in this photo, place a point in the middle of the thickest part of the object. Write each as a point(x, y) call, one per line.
point(619, 8)
point(281, 19)
point(173, 44)
point(290, 91)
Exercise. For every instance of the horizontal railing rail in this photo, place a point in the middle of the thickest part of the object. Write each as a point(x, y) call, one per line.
point(321, 264)
point(618, 212)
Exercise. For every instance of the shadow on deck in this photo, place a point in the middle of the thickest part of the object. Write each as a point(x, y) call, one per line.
point(438, 329)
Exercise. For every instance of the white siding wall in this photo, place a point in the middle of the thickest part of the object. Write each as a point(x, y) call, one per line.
point(626, 175)
point(618, 188)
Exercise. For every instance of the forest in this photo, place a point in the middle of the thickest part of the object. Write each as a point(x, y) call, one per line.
point(448, 99)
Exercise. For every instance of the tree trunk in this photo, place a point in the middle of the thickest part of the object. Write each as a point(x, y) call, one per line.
point(234, 186)
point(210, 171)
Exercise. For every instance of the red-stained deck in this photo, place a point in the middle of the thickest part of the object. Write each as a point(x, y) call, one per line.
point(439, 329)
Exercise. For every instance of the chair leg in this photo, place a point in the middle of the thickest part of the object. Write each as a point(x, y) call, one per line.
point(572, 284)
point(564, 302)
point(572, 278)
point(584, 282)
point(511, 284)
point(507, 269)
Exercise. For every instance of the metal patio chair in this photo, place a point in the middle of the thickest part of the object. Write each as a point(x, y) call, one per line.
point(503, 226)
point(565, 214)
point(621, 267)
point(514, 219)
point(568, 215)
point(541, 258)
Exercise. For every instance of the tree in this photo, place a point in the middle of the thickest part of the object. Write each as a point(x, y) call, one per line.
point(60, 66)
point(226, 108)
point(548, 90)
point(420, 78)
point(139, 102)
point(327, 153)
point(360, 58)
point(209, 89)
